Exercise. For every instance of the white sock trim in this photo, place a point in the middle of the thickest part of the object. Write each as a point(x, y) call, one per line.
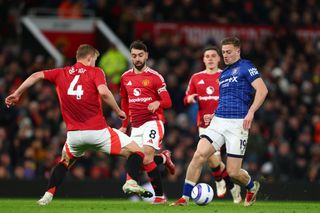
point(190, 182)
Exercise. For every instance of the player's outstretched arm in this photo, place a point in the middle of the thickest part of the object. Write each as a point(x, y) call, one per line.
point(13, 99)
point(108, 98)
point(261, 94)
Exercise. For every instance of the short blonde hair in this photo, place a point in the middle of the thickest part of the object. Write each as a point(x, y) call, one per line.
point(86, 49)
point(231, 40)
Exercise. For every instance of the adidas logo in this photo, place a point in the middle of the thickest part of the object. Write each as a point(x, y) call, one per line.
point(201, 82)
point(129, 83)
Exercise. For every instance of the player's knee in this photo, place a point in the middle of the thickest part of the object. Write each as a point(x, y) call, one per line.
point(66, 160)
point(233, 173)
point(199, 157)
point(213, 163)
point(148, 158)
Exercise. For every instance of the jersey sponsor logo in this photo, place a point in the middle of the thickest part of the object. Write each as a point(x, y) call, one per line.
point(134, 100)
point(145, 82)
point(129, 83)
point(210, 90)
point(229, 80)
point(136, 92)
point(253, 71)
point(208, 98)
point(201, 81)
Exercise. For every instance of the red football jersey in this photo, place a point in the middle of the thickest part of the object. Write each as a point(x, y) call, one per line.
point(207, 87)
point(79, 98)
point(141, 90)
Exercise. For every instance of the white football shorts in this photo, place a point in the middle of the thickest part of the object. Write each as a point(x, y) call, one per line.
point(149, 134)
point(230, 132)
point(108, 140)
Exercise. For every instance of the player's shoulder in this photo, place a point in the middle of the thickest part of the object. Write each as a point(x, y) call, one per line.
point(97, 69)
point(246, 63)
point(154, 73)
point(127, 73)
point(203, 72)
point(198, 74)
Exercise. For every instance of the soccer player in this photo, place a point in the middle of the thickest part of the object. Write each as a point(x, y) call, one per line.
point(203, 89)
point(231, 121)
point(144, 96)
point(80, 88)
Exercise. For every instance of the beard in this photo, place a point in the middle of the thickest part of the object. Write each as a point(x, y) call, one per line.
point(140, 66)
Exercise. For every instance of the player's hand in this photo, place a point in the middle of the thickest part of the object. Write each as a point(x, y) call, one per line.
point(12, 100)
point(207, 118)
point(248, 120)
point(123, 129)
point(122, 115)
point(154, 106)
point(192, 98)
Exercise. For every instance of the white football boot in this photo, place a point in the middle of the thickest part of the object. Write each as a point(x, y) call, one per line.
point(235, 192)
point(46, 199)
point(132, 187)
point(221, 188)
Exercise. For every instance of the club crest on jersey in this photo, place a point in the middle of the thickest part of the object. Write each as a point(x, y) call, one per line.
point(210, 90)
point(235, 70)
point(145, 82)
point(136, 92)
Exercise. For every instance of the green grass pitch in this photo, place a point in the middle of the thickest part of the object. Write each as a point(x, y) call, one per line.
point(107, 205)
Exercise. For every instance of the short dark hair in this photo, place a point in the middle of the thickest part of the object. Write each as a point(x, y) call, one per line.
point(86, 49)
point(211, 47)
point(231, 40)
point(139, 45)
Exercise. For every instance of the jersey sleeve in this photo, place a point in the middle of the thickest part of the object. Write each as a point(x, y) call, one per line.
point(251, 73)
point(124, 102)
point(191, 89)
point(160, 84)
point(123, 91)
point(100, 77)
point(51, 75)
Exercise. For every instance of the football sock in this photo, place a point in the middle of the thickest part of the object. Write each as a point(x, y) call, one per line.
point(250, 185)
point(216, 173)
point(187, 189)
point(227, 179)
point(154, 177)
point(134, 165)
point(158, 159)
point(57, 176)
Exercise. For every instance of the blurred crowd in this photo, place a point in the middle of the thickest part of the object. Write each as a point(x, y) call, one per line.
point(284, 140)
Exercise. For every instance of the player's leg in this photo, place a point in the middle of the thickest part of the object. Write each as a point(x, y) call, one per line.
point(211, 141)
point(217, 168)
point(223, 179)
point(117, 143)
point(134, 166)
point(58, 174)
point(201, 156)
point(236, 143)
point(154, 174)
point(152, 134)
point(243, 177)
point(165, 156)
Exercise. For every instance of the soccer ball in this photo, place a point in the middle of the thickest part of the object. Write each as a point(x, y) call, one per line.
point(202, 194)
